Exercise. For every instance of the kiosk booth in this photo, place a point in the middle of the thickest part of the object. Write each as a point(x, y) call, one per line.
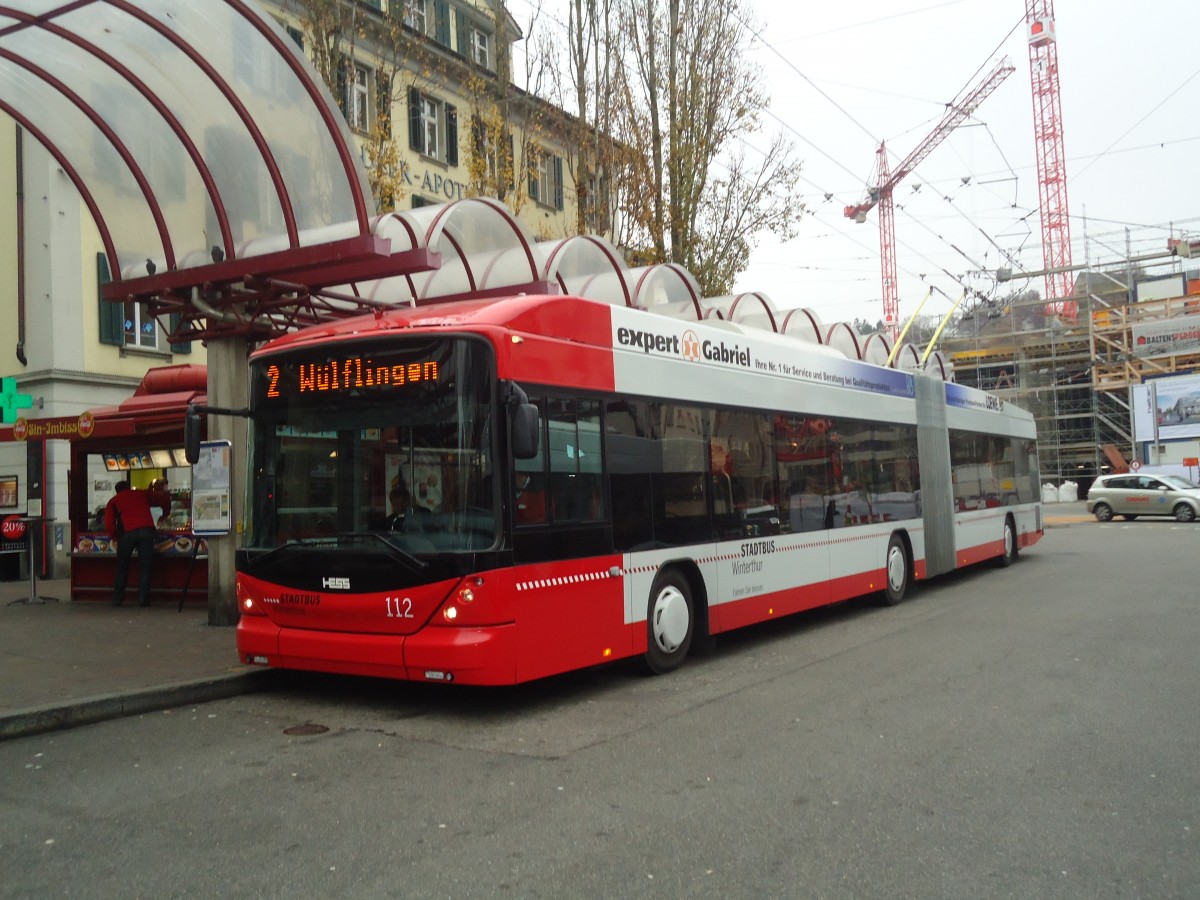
point(140, 440)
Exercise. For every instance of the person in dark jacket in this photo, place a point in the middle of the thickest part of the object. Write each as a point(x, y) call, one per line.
point(130, 523)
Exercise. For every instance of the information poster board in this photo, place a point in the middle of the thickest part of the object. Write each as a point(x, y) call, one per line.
point(212, 506)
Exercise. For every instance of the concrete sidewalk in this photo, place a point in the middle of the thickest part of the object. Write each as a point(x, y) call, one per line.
point(64, 664)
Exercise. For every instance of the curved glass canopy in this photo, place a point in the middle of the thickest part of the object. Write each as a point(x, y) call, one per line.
point(191, 130)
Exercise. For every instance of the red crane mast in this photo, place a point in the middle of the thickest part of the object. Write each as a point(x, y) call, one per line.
point(1051, 157)
point(881, 194)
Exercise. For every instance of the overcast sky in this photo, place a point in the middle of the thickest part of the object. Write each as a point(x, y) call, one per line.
point(843, 77)
point(1130, 92)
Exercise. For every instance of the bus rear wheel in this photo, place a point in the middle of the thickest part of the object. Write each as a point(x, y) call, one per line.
point(670, 622)
point(898, 571)
point(1009, 555)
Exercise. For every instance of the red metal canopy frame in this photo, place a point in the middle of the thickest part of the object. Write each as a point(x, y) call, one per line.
point(262, 297)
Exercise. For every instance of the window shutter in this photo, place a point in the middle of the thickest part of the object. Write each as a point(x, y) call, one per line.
point(441, 22)
point(186, 346)
point(477, 134)
point(416, 137)
point(112, 322)
point(463, 36)
point(383, 105)
point(343, 90)
point(512, 164)
point(558, 182)
point(451, 135)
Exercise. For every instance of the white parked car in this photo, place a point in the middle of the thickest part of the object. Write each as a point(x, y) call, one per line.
point(1131, 496)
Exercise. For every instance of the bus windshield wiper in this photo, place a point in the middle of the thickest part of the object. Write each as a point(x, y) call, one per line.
point(294, 542)
point(394, 549)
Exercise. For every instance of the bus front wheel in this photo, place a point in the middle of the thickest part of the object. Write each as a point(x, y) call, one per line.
point(670, 622)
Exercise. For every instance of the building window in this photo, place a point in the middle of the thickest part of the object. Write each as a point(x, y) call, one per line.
point(140, 328)
point(538, 179)
point(432, 127)
point(418, 17)
point(358, 99)
point(546, 180)
point(481, 47)
point(494, 146)
point(490, 150)
point(415, 15)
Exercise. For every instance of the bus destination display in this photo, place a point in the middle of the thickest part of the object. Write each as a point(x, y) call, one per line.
point(351, 373)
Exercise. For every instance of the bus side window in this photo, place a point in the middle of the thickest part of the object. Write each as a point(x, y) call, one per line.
point(632, 451)
point(680, 481)
point(575, 460)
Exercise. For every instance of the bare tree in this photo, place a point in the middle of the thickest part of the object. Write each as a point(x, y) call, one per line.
point(690, 99)
point(504, 157)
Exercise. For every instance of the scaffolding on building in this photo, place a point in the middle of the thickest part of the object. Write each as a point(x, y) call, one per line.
point(1074, 376)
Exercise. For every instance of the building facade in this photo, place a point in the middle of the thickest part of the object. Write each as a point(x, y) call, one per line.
point(426, 87)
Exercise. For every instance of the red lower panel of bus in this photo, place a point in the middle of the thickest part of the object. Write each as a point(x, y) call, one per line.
point(785, 603)
point(968, 556)
point(468, 655)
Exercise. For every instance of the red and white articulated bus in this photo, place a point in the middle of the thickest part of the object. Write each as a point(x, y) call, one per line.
point(584, 483)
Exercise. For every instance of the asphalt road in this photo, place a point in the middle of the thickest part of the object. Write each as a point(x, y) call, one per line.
point(1028, 732)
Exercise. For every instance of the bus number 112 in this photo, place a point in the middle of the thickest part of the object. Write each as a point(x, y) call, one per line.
point(398, 608)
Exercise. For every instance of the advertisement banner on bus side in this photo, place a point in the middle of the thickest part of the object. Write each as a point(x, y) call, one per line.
point(969, 398)
point(696, 343)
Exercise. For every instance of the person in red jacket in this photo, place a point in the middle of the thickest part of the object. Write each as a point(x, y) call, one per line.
point(129, 521)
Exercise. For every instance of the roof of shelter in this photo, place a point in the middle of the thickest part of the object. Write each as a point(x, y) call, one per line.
point(179, 124)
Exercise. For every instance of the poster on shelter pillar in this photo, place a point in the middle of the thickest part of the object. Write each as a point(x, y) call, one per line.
point(212, 506)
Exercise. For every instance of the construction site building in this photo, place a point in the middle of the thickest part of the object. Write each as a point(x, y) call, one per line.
point(1075, 374)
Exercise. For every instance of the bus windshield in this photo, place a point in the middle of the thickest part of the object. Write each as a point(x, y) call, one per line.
point(380, 446)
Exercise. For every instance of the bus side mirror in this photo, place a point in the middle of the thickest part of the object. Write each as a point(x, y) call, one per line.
point(191, 435)
point(525, 428)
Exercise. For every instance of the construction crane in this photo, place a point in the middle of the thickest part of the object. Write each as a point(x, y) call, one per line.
point(881, 194)
point(1051, 157)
